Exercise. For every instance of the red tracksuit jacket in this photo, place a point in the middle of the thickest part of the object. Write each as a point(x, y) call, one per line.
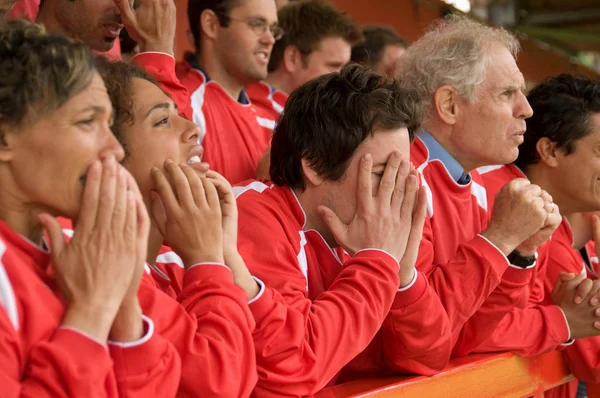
point(213, 330)
point(267, 100)
point(42, 359)
point(325, 307)
point(536, 325)
point(583, 357)
point(473, 278)
point(234, 133)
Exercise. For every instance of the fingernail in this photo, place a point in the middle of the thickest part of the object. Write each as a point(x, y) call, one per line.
point(168, 161)
point(577, 300)
point(367, 157)
point(154, 170)
point(594, 301)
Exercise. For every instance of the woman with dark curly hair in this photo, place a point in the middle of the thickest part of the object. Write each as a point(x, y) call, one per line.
point(207, 316)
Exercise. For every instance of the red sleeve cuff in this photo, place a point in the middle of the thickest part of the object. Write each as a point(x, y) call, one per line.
point(518, 276)
point(206, 271)
point(138, 357)
point(491, 253)
point(407, 297)
point(559, 328)
point(84, 347)
point(263, 306)
point(152, 59)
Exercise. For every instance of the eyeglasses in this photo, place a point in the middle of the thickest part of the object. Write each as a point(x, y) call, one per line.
point(260, 27)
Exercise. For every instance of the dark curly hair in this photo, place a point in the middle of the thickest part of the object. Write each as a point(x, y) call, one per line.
point(562, 106)
point(39, 71)
point(118, 77)
point(326, 119)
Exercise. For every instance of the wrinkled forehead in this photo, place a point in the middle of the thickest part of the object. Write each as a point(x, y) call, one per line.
point(501, 69)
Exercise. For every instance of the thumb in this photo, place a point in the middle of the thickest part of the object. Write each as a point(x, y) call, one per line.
point(559, 285)
point(158, 212)
point(566, 276)
point(127, 13)
point(333, 222)
point(54, 230)
point(413, 243)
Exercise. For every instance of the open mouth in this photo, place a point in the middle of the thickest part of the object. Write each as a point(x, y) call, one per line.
point(194, 159)
point(113, 30)
point(263, 56)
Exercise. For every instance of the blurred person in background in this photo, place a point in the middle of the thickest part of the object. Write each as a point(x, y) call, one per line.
point(6, 6)
point(380, 50)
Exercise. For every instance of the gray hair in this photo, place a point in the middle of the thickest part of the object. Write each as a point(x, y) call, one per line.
point(453, 52)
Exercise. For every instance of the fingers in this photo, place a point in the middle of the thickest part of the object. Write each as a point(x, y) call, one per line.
point(54, 231)
point(559, 286)
point(108, 189)
point(594, 296)
point(143, 220)
point(165, 192)
point(182, 185)
point(573, 284)
point(131, 228)
point(89, 204)
point(410, 196)
point(127, 12)
point(582, 291)
point(158, 212)
point(364, 190)
point(566, 276)
point(388, 184)
point(120, 210)
point(336, 226)
point(212, 196)
point(223, 187)
point(416, 231)
point(518, 183)
point(195, 185)
point(405, 169)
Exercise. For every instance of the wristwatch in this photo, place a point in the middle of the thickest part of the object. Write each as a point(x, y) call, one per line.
point(521, 261)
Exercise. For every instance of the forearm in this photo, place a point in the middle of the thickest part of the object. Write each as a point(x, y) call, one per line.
point(128, 324)
point(241, 276)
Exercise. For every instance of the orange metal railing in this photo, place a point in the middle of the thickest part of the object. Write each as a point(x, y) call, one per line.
point(491, 375)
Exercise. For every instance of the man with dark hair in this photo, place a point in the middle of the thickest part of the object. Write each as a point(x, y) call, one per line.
point(233, 40)
point(380, 50)
point(560, 154)
point(318, 40)
point(343, 211)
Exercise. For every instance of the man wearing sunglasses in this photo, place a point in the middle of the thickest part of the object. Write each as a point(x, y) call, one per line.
point(233, 40)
